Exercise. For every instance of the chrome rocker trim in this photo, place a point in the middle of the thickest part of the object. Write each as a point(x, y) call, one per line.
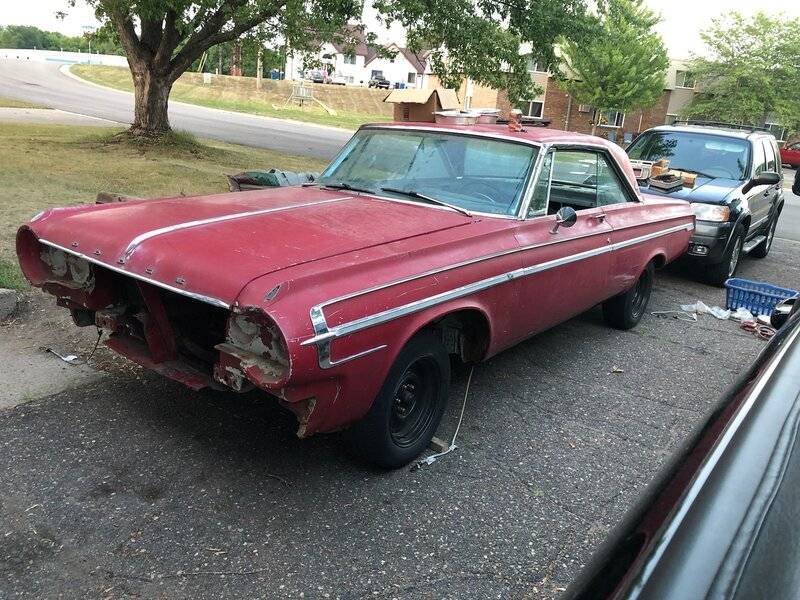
point(324, 335)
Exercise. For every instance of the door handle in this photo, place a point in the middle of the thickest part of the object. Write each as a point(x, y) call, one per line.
point(600, 217)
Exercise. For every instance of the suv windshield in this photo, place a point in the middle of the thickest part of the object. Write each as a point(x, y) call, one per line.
point(710, 155)
point(472, 173)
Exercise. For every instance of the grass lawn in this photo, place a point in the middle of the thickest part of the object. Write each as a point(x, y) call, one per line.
point(57, 165)
point(354, 106)
point(11, 103)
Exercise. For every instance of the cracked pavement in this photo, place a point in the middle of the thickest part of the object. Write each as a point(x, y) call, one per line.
point(132, 486)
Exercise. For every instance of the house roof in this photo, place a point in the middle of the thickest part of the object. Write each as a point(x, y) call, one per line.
point(359, 49)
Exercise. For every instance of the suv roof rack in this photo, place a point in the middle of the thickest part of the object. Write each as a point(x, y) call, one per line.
point(721, 125)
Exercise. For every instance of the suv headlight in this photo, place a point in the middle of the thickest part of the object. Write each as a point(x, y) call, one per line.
point(711, 212)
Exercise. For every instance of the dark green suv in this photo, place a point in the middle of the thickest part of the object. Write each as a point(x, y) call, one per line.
point(737, 196)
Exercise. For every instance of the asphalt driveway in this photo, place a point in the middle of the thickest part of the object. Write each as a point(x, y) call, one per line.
point(132, 486)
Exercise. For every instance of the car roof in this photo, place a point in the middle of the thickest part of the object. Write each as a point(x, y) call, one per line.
point(539, 135)
point(742, 134)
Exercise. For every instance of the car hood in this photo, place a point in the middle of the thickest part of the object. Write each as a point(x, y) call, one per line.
point(707, 190)
point(215, 245)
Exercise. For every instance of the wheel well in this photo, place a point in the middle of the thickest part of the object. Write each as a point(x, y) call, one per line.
point(659, 260)
point(746, 223)
point(464, 333)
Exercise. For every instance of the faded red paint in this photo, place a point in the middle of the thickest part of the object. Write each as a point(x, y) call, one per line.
point(275, 266)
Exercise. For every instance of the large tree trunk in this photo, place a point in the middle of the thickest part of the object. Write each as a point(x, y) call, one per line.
point(151, 94)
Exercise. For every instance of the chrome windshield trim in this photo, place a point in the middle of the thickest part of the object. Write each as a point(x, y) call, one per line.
point(324, 335)
point(202, 298)
point(143, 237)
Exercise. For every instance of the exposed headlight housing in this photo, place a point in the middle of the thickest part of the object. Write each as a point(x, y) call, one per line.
point(711, 212)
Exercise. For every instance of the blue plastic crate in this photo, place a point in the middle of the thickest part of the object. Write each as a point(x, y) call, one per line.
point(757, 297)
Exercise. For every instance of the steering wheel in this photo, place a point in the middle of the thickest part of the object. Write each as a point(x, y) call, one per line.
point(481, 194)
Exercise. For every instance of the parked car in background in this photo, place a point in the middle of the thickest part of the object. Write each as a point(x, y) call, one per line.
point(720, 521)
point(316, 77)
point(790, 155)
point(337, 80)
point(345, 298)
point(737, 195)
point(379, 81)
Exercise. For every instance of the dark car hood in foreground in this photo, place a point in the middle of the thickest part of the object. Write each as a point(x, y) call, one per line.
point(721, 519)
point(215, 245)
point(706, 190)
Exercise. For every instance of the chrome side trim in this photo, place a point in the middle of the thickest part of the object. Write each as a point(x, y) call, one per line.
point(139, 239)
point(324, 335)
point(207, 299)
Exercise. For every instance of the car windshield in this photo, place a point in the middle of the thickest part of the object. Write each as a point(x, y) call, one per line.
point(709, 155)
point(476, 174)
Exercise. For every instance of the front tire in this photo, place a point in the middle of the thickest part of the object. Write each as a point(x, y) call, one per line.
point(763, 248)
point(626, 310)
point(719, 273)
point(409, 406)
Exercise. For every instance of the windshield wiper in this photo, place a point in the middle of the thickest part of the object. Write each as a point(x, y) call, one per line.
point(426, 198)
point(345, 186)
point(700, 173)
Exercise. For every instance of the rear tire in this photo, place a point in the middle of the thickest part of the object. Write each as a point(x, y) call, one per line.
point(719, 273)
point(409, 406)
point(626, 310)
point(763, 248)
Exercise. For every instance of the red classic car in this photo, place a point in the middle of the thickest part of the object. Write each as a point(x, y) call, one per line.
point(790, 155)
point(345, 298)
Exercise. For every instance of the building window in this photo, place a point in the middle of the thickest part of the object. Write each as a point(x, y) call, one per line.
point(609, 118)
point(349, 59)
point(532, 108)
point(391, 60)
point(533, 65)
point(412, 78)
point(670, 119)
point(684, 79)
point(376, 74)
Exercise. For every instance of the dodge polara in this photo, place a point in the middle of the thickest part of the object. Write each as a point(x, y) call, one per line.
point(346, 298)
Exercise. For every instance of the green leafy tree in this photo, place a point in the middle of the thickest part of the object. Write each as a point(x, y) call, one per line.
point(623, 66)
point(480, 40)
point(163, 38)
point(751, 73)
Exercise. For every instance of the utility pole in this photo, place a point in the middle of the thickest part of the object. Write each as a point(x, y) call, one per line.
point(258, 67)
point(219, 60)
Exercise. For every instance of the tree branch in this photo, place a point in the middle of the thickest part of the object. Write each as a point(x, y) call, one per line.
point(127, 35)
point(198, 44)
point(169, 39)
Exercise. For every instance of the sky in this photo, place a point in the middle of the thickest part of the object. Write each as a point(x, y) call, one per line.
point(680, 28)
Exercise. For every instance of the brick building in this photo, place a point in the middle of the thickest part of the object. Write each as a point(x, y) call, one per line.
point(562, 112)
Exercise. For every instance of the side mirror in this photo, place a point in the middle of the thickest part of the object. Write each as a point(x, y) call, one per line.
point(565, 216)
point(766, 178)
point(782, 311)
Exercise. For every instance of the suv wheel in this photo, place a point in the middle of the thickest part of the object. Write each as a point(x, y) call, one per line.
point(409, 406)
point(763, 248)
point(625, 310)
point(719, 273)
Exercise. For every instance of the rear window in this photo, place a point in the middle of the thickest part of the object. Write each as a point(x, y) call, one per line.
point(710, 155)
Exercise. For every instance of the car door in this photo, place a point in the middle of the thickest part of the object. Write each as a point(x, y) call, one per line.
point(640, 230)
point(567, 267)
point(759, 199)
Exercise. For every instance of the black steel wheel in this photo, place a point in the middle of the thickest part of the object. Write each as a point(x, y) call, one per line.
point(626, 310)
point(409, 406)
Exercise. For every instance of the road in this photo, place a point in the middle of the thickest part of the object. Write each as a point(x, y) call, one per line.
point(45, 84)
point(133, 486)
